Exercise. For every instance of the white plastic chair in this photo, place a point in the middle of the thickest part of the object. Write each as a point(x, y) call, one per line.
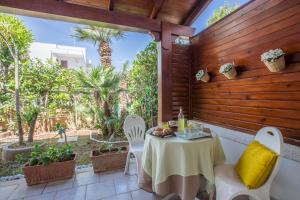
point(134, 129)
point(228, 183)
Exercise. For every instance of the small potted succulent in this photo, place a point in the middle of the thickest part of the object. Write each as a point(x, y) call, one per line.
point(109, 157)
point(274, 60)
point(48, 164)
point(61, 130)
point(228, 70)
point(202, 75)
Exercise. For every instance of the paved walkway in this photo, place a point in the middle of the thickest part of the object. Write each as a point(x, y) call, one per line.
point(83, 186)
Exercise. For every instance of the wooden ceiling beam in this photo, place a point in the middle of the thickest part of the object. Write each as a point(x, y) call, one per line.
point(60, 10)
point(157, 5)
point(195, 12)
point(110, 5)
point(181, 30)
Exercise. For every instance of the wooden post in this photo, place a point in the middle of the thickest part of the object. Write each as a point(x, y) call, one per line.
point(165, 74)
point(168, 33)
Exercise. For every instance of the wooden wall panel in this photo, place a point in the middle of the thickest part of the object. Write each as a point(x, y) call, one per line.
point(257, 97)
point(181, 66)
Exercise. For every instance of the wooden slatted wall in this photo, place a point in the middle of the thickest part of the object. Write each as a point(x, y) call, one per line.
point(181, 65)
point(257, 97)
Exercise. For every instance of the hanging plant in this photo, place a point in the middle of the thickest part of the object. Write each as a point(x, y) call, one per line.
point(274, 60)
point(228, 70)
point(202, 75)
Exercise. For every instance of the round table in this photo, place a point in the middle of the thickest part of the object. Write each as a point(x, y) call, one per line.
point(175, 165)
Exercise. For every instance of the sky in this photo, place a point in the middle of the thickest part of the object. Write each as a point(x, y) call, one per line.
point(58, 32)
point(201, 22)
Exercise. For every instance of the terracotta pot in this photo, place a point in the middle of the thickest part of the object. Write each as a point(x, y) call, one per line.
point(48, 173)
point(276, 66)
point(205, 78)
point(108, 161)
point(231, 74)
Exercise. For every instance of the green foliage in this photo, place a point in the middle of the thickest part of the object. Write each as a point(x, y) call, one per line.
point(100, 36)
point(14, 43)
point(110, 147)
point(41, 156)
point(29, 113)
point(100, 94)
point(97, 34)
point(45, 88)
point(61, 129)
point(47, 84)
point(142, 84)
point(19, 33)
point(221, 12)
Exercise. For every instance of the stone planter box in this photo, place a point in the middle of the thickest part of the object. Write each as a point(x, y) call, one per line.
point(108, 161)
point(9, 154)
point(48, 173)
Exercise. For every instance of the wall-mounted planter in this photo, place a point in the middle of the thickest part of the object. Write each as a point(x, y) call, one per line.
point(274, 60)
point(228, 70)
point(202, 76)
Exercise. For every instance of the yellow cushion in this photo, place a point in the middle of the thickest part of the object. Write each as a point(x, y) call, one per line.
point(255, 165)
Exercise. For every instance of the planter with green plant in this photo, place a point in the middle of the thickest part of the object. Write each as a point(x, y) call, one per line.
point(228, 70)
point(61, 130)
point(202, 75)
point(109, 157)
point(48, 164)
point(274, 60)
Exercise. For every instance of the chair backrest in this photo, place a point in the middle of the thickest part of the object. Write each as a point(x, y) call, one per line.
point(134, 129)
point(272, 138)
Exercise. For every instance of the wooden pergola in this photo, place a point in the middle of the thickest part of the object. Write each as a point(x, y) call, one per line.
point(163, 19)
point(235, 109)
point(256, 98)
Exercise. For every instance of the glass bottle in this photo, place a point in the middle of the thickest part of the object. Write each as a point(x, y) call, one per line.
point(180, 120)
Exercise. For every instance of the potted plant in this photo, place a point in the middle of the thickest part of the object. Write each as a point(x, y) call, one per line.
point(202, 75)
point(228, 70)
point(48, 164)
point(109, 157)
point(61, 130)
point(274, 60)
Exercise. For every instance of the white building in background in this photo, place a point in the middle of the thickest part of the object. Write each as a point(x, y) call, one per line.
point(68, 56)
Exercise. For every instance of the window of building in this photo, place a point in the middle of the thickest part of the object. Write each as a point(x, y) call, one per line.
point(64, 63)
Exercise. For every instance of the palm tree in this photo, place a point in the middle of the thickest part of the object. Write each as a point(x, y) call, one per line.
point(100, 36)
point(102, 84)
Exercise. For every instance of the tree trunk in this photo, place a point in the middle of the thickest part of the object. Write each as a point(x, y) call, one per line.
point(66, 140)
point(75, 113)
point(104, 51)
point(45, 113)
point(32, 127)
point(107, 130)
point(5, 71)
point(97, 98)
point(18, 117)
point(17, 96)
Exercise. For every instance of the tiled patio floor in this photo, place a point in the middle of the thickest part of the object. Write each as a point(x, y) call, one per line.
point(85, 185)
